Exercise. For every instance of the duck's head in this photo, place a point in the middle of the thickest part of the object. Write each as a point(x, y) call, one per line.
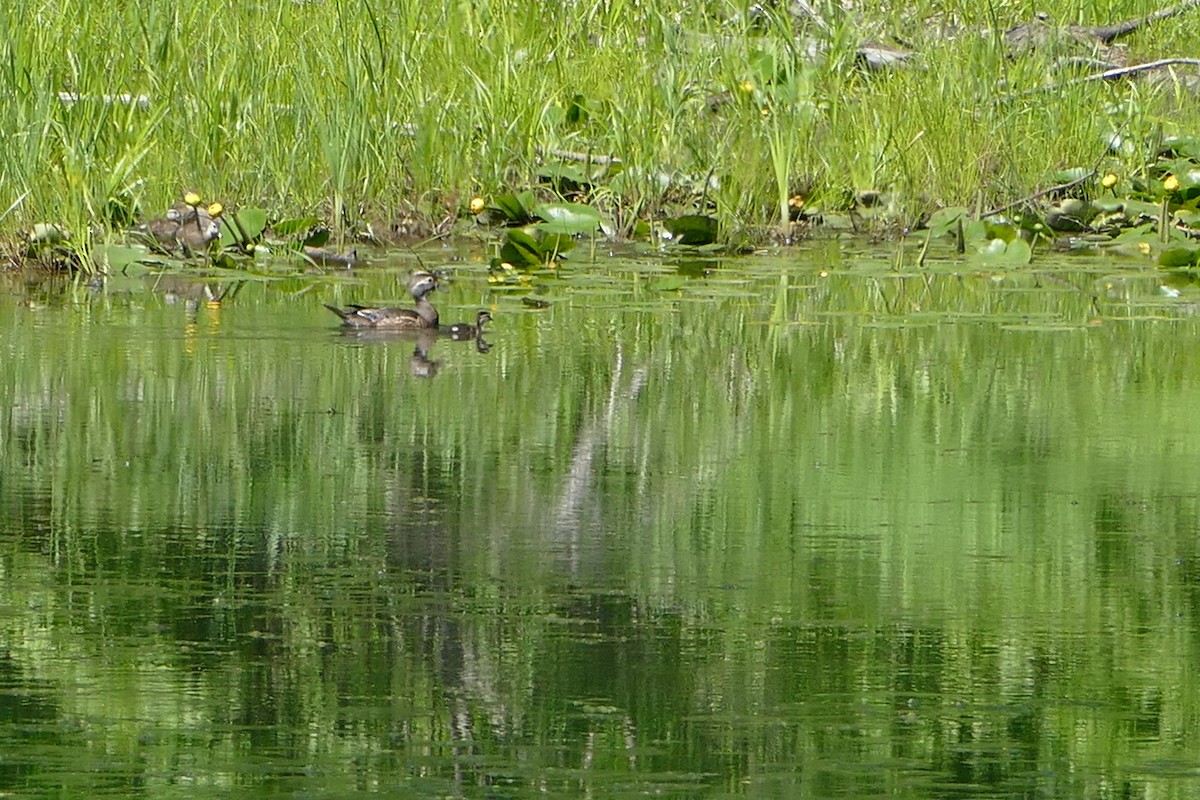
point(482, 318)
point(422, 283)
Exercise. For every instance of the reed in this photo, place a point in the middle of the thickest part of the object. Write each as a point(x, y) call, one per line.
point(364, 110)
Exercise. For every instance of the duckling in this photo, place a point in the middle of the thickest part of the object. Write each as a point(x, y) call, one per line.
point(198, 229)
point(160, 232)
point(425, 315)
point(192, 228)
point(465, 331)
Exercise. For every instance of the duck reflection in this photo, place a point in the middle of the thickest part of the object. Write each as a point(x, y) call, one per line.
point(193, 293)
point(421, 363)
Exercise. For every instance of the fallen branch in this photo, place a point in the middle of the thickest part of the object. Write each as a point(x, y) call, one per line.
point(576, 155)
point(1121, 72)
point(1062, 187)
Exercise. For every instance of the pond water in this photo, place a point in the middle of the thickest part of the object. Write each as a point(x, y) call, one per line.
point(788, 525)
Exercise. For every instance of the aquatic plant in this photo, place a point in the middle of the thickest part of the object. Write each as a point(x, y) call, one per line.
point(643, 111)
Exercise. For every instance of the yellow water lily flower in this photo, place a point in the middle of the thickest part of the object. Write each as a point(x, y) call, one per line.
point(1171, 184)
point(215, 210)
point(747, 86)
point(1108, 181)
point(477, 205)
point(192, 199)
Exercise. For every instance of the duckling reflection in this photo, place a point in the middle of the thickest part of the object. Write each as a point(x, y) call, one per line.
point(191, 292)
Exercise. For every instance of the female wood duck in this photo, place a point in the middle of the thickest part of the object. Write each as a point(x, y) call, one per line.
point(198, 229)
point(193, 229)
point(425, 315)
point(463, 331)
point(321, 257)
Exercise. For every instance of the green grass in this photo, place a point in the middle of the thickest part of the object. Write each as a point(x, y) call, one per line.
point(391, 112)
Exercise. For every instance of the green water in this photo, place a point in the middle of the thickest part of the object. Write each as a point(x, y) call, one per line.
point(779, 527)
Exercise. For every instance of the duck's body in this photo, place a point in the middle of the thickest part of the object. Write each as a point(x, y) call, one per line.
point(423, 317)
point(197, 228)
point(465, 330)
point(193, 229)
point(160, 233)
point(328, 258)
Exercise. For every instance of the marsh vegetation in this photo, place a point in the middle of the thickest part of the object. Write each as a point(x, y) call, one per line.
point(384, 120)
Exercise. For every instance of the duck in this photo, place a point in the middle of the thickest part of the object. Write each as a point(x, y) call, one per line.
point(424, 317)
point(321, 257)
point(183, 225)
point(198, 228)
point(160, 233)
point(464, 331)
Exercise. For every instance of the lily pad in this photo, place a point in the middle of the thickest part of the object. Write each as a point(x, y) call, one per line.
point(1014, 253)
point(287, 228)
point(671, 283)
point(521, 249)
point(567, 219)
point(246, 226)
point(564, 175)
point(945, 220)
point(121, 259)
point(516, 209)
point(1183, 146)
point(1072, 174)
point(1179, 256)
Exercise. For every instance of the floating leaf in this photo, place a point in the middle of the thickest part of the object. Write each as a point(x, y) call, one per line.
point(999, 230)
point(120, 259)
point(692, 229)
point(1018, 252)
point(1014, 253)
point(567, 218)
point(671, 283)
point(553, 245)
point(975, 231)
point(945, 220)
point(1179, 256)
point(1071, 175)
point(558, 173)
point(1183, 146)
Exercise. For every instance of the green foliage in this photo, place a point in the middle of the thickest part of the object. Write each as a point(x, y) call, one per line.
point(532, 247)
point(692, 229)
point(244, 227)
point(1180, 256)
point(567, 219)
point(690, 109)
